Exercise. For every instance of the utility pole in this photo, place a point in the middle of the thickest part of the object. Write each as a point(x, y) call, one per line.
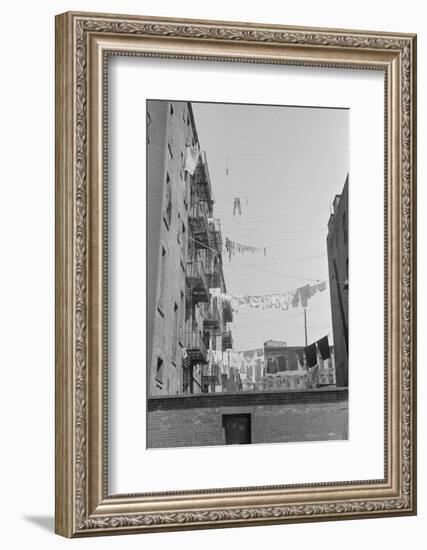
point(305, 325)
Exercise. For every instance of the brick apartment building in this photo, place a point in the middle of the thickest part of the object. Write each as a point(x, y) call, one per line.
point(185, 323)
point(337, 245)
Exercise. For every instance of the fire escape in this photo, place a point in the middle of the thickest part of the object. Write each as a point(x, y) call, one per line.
point(207, 317)
point(196, 339)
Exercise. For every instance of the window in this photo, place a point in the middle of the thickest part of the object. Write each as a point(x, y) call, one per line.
point(148, 124)
point(168, 213)
point(282, 363)
point(159, 370)
point(162, 280)
point(181, 317)
point(179, 232)
point(170, 151)
point(183, 245)
point(181, 171)
point(175, 332)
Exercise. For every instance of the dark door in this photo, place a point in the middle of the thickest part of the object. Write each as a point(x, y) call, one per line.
point(237, 428)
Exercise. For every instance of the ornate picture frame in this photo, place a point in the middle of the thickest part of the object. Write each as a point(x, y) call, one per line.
point(83, 44)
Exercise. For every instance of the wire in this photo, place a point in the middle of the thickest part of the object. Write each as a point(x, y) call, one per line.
point(292, 146)
point(281, 263)
point(275, 317)
point(286, 275)
point(303, 237)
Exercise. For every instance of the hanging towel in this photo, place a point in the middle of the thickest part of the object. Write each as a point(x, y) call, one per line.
point(191, 159)
point(313, 290)
point(237, 206)
point(304, 293)
point(295, 299)
point(300, 357)
point(311, 355)
point(323, 345)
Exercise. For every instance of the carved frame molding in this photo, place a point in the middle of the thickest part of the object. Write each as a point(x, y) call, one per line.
point(83, 43)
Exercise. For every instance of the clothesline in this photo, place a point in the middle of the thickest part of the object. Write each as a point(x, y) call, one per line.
point(233, 247)
point(255, 265)
point(283, 300)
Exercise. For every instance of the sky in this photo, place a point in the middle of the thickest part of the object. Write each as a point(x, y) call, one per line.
point(286, 164)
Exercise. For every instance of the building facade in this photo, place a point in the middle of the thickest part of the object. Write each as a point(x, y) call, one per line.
point(337, 246)
point(185, 323)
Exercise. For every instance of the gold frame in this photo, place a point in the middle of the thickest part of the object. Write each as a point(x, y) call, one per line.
point(83, 42)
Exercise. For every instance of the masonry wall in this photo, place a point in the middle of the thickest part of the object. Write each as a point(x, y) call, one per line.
point(169, 130)
point(276, 417)
point(337, 245)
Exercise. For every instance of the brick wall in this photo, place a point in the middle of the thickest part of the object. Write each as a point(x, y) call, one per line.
point(168, 131)
point(276, 417)
point(337, 245)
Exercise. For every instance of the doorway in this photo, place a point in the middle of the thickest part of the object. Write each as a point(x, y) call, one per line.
point(237, 429)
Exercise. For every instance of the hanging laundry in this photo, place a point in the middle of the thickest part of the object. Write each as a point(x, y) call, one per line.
point(311, 355)
point(321, 286)
point(227, 171)
point(191, 159)
point(295, 299)
point(300, 357)
point(237, 206)
point(229, 246)
point(313, 377)
point(304, 293)
point(233, 248)
point(323, 345)
point(282, 300)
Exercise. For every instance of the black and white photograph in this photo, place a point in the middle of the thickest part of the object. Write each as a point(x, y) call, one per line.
point(248, 273)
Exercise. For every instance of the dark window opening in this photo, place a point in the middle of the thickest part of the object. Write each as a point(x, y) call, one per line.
point(168, 213)
point(159, 372)
point(237, 429)
point(175, 333)
point(162, 279)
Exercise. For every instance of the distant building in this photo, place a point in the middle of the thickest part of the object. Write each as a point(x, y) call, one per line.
point(184, 258)
point(337, 245)
point(286, 368)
